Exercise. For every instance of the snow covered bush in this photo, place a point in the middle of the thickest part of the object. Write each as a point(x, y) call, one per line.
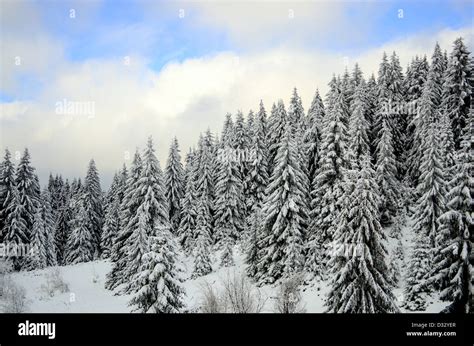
point(237, 296)
point(54, 283)
point(288, 299)
point(5, 268)
point(211, 301)
point(240, 297)
point(14, 298)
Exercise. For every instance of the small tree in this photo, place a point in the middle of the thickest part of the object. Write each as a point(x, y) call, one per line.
point(289, 298)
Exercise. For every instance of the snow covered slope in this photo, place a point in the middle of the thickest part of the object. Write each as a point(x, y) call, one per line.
point(86, 292)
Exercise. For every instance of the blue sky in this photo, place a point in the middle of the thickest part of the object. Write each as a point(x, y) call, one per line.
point(186, 73)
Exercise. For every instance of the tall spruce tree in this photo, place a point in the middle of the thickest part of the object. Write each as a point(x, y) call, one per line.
point(202, 262)
point(428, 112)
point(285, 213)
point(37, 258)
point(80, 247)
point(92, 199)
point(429, 207)
point(174, 182)
point(28, 190)
point(313, 135)
point(63, 223)
point(205, 177)
point(112, 217)
point(276, 127)
point(359, 146)
point(453, 267)
point(128, 208)
point(151, 214)
point(230, 203)
point(257, 177)
point(7, 186)
point(188, 210)
point(327, 185)
point(47, 215)
point(158, 277)
point(457, 89)
point(386, 175)
point(361, 282)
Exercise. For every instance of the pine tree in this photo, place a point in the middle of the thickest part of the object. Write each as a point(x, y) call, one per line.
point(202, 264)
point(432, 189)
point(276, 127)
point(371, 106)
point(457, 89)
point(313, 135)
point(285, 213)
point(240, 146)
point(128, 208)
point(80, 247)
point(227, 257)
point(151, 213)
point(111, 220)
point(296, 112)
point(174, 182)
point(359, 145)
point(453, 268)
point(418, 267)
point(158, 280)
point(15, 230)
point(205, 178)
point(28, 191)
point(253, 249)
point(63, 224)
point(47, 215)
point(428, 112)
point(356, 80)
point(346, 87)
point(229, 204)
point(55, 186)
point(397, 263)
point(390, 112)
point(386, 175)
point(38, 256)
point(416, 76)
point(188, 211)
point(92, 196)
point(327, 186)
point(257, 177)
point(7, 185)
point(429, 207)
point(360, 281)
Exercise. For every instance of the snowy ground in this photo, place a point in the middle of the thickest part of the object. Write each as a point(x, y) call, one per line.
point(87, 293)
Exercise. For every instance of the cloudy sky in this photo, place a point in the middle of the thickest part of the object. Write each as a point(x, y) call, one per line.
point(174, 68)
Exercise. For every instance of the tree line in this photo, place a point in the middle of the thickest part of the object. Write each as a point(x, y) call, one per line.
point(316, 192)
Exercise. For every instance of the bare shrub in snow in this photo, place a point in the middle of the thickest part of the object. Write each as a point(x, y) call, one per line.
point(289, 298)
point(212, 302)
point(14, 298)
point(5, 268)
point(237, 295)
point(54, 283)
